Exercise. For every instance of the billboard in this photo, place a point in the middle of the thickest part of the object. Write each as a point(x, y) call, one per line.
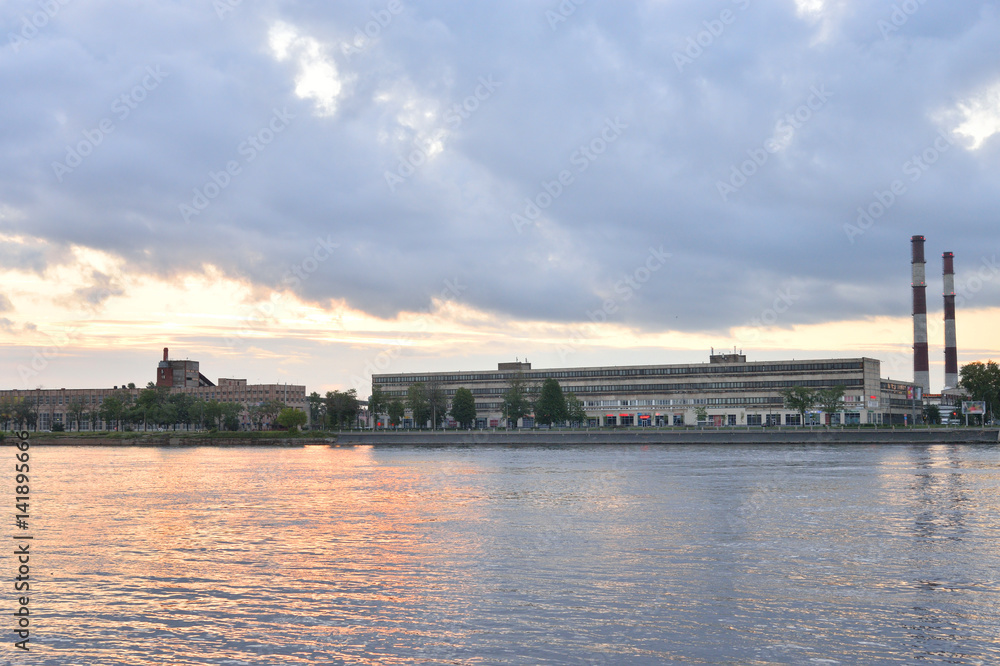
point(973, 407)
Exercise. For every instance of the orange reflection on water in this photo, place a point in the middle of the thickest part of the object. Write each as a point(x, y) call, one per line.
point(201, 540)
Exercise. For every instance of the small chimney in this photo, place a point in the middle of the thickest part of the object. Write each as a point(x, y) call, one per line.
point(950, 339)
point(164, 353)
point(921, 365)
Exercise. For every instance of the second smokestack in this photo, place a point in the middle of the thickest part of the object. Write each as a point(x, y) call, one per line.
point(921, 364)
point(950, 339)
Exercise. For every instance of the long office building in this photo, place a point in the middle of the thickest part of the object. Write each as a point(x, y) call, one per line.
point(726, 391)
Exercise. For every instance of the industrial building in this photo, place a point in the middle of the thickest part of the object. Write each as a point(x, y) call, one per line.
point(726, 391)
point(53, 405)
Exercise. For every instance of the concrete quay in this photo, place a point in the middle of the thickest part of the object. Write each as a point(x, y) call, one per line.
point(806, 435)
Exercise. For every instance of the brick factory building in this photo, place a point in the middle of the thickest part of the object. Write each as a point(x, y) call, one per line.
point(52, 405)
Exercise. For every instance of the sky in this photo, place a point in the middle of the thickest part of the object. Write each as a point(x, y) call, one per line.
point(309, 192)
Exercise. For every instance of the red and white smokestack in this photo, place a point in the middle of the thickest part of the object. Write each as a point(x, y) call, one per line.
point(921, 365)
point(164, 353)
point(950, 339)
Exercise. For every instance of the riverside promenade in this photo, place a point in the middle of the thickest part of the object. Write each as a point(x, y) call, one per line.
point(800, 435)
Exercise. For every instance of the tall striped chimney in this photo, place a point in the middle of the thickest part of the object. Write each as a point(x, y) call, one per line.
point(921, 366)
point(950, 340)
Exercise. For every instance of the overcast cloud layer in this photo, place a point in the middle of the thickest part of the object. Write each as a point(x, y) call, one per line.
point(535, 154)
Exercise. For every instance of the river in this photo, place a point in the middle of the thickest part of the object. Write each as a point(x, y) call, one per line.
point(789, 554)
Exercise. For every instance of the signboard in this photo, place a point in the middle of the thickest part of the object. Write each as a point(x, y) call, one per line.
point(973, 408)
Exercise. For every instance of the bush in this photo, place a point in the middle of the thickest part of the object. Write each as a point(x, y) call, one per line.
point(58, 427)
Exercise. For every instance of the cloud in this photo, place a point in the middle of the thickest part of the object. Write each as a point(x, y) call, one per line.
point(101, 288)
point(5, 304)
point(410, 100)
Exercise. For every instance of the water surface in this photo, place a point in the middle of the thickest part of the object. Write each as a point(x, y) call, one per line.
point(517, 555)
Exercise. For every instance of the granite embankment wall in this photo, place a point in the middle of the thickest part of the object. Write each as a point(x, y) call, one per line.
point(685, 436)
point(43, 439)
point(555, 438)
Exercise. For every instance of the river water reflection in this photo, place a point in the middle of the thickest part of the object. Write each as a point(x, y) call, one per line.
point(517, 555)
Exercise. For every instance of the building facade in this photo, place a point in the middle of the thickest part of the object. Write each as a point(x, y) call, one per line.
point(726, 391)
point(53, 406)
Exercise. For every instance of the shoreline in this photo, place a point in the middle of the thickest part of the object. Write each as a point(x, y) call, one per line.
point(687, 436)
point(678, 437)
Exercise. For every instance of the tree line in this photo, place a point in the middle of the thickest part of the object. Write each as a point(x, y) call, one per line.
point(427, 402)
point(153, 408)
point(830, 401)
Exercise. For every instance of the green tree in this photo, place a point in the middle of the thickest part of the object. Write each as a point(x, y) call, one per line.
point(212, 413)
point(831, 400)
point(800, 399)
point(437, 402)
point(982, 382)
point(932, 414)
point(292, 418)
point(701, 414)
point(396, 411)
point(575, 412)
point(270, 409)
point(181, 404)
point(8, 408)
point(342, 408)
point(114, 409)
point(517, 398)
point(463, 407)
point(317, 410)
point(551, 405)
point(150, 404)
point(378, 402)
point(256, 417)
point(198, 413)
point(418, 403)
point(74, 413)
point(229, 415)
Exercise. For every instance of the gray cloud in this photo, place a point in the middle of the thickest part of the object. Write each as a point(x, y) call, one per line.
point(655, 184)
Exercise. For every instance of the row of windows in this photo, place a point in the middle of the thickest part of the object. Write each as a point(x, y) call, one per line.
point(661, 388)
point(625, 372)
point(681, 402)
